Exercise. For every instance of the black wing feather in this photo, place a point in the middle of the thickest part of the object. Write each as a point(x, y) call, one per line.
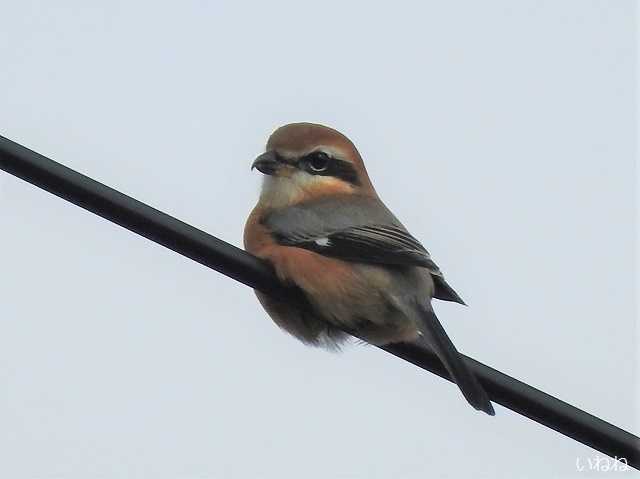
point(368, 244)
point(328, 230)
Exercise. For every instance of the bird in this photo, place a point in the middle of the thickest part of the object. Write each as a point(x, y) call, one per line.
point(321, 226)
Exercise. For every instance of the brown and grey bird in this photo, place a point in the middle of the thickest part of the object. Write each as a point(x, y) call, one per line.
point(321, 225)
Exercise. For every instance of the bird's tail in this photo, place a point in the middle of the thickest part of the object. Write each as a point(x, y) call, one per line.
point(436, 339)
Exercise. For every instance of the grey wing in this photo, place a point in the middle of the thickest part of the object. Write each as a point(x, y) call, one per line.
point(361, 229)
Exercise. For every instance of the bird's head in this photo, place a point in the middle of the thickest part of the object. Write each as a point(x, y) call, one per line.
point(305, 161)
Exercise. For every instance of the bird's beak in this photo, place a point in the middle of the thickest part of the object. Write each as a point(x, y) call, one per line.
point(268, 163)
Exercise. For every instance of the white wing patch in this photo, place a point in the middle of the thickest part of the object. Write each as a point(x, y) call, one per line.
point(324, 242)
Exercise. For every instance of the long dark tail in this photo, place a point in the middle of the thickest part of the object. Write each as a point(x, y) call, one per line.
point(435, 338)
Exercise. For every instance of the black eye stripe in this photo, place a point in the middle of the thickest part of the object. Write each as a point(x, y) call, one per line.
point(345, 171)
point(341, 169)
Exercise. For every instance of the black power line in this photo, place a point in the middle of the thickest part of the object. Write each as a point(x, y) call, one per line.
point(241, 266)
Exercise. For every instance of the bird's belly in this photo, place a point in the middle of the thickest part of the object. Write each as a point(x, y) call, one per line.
point(305, 325)
point(363, 300)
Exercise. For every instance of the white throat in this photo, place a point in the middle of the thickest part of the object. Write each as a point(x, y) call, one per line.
point(281, 191)
point(278, 192)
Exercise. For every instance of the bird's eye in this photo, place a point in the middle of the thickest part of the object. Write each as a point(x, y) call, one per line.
point(318, 161)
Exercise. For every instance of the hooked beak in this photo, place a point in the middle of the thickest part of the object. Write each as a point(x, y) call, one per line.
point(268, 163)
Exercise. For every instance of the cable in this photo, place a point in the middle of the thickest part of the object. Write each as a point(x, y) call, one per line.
point(241, 266)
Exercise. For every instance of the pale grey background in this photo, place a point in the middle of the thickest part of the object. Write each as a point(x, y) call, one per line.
point(502, 133)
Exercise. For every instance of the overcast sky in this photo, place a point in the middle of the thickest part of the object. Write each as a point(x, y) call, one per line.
point(501, 133)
